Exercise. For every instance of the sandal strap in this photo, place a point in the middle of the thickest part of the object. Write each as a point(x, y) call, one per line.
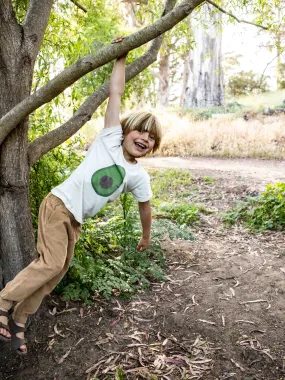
point(16, 343)
point(4, 313)
point(15, 329)
point(6, 327)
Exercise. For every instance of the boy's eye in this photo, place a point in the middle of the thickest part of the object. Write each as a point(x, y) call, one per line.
point(151, 137)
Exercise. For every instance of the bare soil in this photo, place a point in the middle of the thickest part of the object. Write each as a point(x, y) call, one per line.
point(219, 315)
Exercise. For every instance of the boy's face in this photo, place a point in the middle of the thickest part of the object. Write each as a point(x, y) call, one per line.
point(137, 144)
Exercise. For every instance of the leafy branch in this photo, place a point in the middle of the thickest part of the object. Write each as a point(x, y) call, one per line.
point(235, 17)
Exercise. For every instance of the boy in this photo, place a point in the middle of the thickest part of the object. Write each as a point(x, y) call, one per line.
point(109, 168)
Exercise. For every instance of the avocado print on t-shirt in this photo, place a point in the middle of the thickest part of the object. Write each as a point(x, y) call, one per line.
point(107, 180)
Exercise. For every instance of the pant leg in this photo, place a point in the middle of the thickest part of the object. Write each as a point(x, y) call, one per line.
point(31, 304)
point(57, 227)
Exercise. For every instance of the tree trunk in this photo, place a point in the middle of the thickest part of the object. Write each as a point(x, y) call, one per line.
point(163, 90)
point(17, 245)
point(204, 76)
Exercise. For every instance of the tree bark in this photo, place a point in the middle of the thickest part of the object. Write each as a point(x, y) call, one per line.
point(204, 69)
point(19, 47)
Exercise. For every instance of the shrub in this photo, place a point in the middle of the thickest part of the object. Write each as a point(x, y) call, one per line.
point(106, 260)
point(264, 212)
point(246, 82)
point(182, 213)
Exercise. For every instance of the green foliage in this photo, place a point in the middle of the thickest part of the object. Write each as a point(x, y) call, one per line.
point(182, 213)
point(209, 180)
point(119, 374)
point(165, 227)
point(167, 184)
point(20, 8)
point(264, 212)
point(106, 260)
point(72, 34)
point(246, 82)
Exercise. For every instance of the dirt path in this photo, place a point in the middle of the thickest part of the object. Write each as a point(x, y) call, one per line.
point(261, 171)
point(219, 315)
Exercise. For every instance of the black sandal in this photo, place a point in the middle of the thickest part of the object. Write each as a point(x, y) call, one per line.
point(17, 342)
point(4, 338)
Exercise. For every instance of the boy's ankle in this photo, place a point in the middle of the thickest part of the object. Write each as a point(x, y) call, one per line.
point(5, 304)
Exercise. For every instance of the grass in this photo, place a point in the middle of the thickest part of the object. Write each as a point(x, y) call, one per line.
point(259, 137)
point(266, 99)
point(168, 184)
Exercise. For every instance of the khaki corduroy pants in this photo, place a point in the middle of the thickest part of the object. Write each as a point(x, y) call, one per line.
point(58, 232)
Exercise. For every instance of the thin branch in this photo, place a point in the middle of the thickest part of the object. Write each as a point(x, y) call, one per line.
point(45, 143)
point(79, 6)
point(89, 63)
point(269, 63)
point(235, 17)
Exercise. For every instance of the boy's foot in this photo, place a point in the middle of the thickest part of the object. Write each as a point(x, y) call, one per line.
point(18, 340)
point(4, 329)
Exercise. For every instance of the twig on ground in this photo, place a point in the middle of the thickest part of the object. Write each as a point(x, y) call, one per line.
point(238, 365)
point(244, 321)
point(204, 321)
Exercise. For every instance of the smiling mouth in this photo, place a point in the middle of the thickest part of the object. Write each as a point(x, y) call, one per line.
point(140, 145)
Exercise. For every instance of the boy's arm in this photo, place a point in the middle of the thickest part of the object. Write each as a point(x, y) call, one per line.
point(146, 219)
point(117, 85)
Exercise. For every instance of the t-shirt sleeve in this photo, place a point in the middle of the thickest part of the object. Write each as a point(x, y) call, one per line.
point(112, 137)
point(142, 191)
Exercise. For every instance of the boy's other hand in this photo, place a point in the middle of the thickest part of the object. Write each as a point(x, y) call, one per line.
point(143, 244)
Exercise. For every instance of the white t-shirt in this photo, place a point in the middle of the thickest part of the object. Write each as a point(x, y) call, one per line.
point(102, 177)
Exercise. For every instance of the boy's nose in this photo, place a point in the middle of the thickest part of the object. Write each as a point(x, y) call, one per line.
point(145, 135)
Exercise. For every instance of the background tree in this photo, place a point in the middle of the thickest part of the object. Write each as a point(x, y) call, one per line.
point(204, 87)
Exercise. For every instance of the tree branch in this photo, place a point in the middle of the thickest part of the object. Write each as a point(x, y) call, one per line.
point(235, 17)
point(45, 143)
point(79, 5)
point(35, 24)
point(92, 62)
point(269, 63)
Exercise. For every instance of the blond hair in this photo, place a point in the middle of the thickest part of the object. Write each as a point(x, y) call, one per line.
point(143, 121)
